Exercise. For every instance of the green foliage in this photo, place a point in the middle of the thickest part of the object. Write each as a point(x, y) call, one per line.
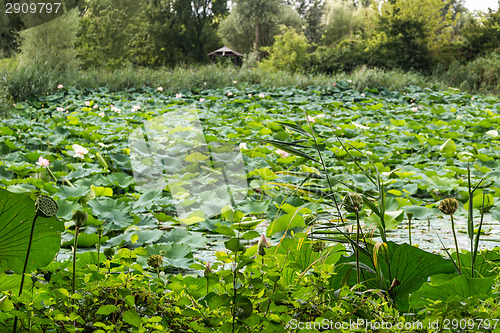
point(289, 51)
point(252, 24)
point(51, 45)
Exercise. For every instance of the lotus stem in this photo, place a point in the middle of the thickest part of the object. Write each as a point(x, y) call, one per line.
point(358, 229)
point(25, 266)
point(456, 243)
point(77, 230)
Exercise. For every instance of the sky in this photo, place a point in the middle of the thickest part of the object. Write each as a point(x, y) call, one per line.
point(481, 4)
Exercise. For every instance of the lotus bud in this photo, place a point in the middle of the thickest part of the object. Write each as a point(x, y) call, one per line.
point(309, 219)
point(261, 246)
point(45, 206)
point(79, 217)
point(109, 253)
point(448, 206)
point(208, 270)
point(318, 246)
point(155, 261)
point(353, 202)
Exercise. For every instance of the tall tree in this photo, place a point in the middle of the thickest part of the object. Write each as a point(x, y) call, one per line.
point(250, 25)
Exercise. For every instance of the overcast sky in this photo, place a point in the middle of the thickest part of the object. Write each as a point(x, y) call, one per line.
point(481, 4)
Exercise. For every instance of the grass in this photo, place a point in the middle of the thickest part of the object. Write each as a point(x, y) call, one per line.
point(479, 76)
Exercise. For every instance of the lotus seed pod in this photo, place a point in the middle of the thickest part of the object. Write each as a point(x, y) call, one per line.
point(163, 253)
point(261, 246)
point(309, 219)
point(155, 261)
point(109, 253)
point(318, 246)
point(353, 202)
point(79, 217)
point(45, 206)
point(448, 206)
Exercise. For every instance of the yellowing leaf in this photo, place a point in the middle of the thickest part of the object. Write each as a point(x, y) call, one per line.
point(196, 157)
point(73, 120)
point(102, 191)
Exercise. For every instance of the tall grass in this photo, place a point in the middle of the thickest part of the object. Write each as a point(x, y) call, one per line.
point(18, 83)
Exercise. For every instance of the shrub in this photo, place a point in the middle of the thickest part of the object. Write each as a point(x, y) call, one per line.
point(289, 51)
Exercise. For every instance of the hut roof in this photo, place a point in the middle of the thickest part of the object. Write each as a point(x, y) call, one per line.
point(225, 51)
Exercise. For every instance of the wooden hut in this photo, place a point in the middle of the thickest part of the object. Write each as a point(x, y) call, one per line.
point(226, 52)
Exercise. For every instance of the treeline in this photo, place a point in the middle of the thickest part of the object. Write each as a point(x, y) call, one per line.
point(319, 35)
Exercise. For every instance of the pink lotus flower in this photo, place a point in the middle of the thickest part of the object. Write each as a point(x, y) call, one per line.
point(202, 99)
point(179, 95)
point(234, 82)
point(60, 109)
point(250, 95)
point(261, 95)
point(135, 108)
point(79, 151)
point(350, 81)
point(321, 115)
point(334, 84)
point(311, 119)
point(60, 86)
point(101, 114)
point(262, 245)
point(282, 153)
point(229, 94)
point(96, 106)
point(115, 109)
point(243, 145)
point(472, 98)
point(159, 88)
point(43, 162)
point(414, 109)
point(87, 103)
point(363, 95)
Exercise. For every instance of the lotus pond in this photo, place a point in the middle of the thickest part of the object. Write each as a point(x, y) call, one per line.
point(242, 209)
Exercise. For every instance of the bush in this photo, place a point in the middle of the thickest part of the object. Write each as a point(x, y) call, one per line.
point(344, 57)
point(289, 51)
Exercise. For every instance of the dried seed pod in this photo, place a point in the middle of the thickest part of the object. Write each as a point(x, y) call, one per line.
point(109, 253)
point(309, 219)
point(155, 261)
point(45, 206)
point(353, 202)
point(318, 246)
point(448, 206)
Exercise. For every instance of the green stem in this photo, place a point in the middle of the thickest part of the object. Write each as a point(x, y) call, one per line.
point(409, 230)
point(51, 174)
point(25, 265)
point(358, 228)
point(456, 243)
point(77, 230)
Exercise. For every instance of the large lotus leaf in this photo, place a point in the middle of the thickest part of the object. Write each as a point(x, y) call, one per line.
point(486, 263)
point(16, 216)
point(176, 255)
point(411, 266)
point(441, 287)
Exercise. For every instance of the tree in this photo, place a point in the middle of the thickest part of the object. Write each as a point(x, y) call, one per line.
point(250, 25)
point(51, 45)
point(288, 52)
point(425, 28)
